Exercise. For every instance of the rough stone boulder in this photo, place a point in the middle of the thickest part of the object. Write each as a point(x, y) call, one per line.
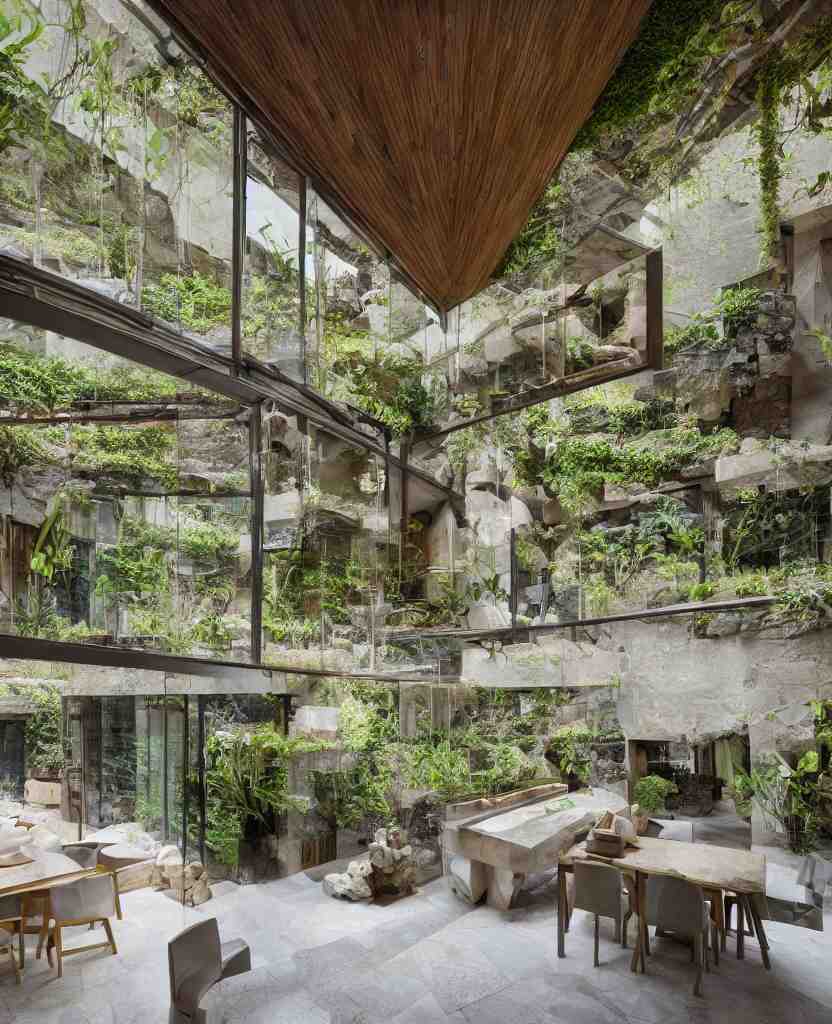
point(786, 466)
point(394, 867)
point(353, 884)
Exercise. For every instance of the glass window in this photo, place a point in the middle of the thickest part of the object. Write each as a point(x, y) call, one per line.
point(117, 172)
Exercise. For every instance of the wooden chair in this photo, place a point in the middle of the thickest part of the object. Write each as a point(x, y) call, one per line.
point(36, 917)
point(87, 901)
point(11, 916)
point(7, 946)
point(86, 855)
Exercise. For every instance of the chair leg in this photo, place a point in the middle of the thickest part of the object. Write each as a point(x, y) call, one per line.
point(624, 925)
point(117, 895)
point(596, 962)
point(715, 940)
point(697, 945)
point(13, 958)
point(43, 935)
point(21, 943)
point(616, 935)
point(59, 952)
point(109, 932)
point(706, 953)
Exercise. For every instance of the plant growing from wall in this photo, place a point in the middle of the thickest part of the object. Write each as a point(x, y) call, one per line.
point(569, 748)
point(767, 130)
point(53, 548)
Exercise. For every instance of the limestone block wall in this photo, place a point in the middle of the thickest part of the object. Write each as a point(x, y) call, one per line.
point(676, 686)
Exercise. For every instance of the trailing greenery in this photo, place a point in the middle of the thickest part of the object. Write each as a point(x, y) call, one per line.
point(769, 91)
point(660, 66)
point(195, 301)
point(19, 447)
point(18, 93)
point(36, 383)
point(576, 468)
point(138, 454)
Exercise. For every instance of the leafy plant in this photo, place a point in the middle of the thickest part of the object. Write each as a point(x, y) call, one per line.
point(788, 797)
point(439, 767)
point(247, 784)
point(194, 300)
point(21, 99)
point(651, 792)
point(569, 747)
point(53, 549)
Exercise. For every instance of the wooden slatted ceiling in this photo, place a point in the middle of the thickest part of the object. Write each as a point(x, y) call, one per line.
point(433, 124)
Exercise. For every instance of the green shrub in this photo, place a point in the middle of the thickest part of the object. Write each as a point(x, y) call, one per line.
point(652, 791)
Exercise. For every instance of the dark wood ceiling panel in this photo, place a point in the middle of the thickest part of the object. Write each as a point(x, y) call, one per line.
point(433, 124)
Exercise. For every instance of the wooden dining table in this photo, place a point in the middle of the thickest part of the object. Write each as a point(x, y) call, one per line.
point(46, 870)
point(719, 869)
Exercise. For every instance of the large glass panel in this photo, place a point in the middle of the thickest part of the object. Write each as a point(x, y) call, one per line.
point(271, 328)
point(118, 170)
point(125, 502)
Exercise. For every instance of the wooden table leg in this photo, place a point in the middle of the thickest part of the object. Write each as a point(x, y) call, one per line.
point(640, 902)
point(757, 923)
point(740, 928)
point(562, 910)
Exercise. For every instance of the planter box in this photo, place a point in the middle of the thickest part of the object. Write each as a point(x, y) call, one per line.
point(37, 791)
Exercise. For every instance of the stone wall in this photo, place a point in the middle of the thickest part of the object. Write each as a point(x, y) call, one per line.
point(678, 686)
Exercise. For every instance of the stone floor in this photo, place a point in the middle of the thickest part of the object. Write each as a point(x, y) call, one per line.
point(422, 960)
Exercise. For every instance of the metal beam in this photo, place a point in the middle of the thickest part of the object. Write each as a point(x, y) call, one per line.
point(35, 296)
point(525, 399)
point(255, 447)
point(73, 653)
point(80, 418)
point(654, 262)
point(302, 274)
point(238, 233)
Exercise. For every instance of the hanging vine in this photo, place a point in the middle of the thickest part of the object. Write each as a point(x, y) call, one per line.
point(768, 162)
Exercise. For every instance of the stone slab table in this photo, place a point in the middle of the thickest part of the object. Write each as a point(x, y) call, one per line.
point(494, 852)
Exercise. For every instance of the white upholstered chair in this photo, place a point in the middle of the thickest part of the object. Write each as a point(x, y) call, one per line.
point(87, 901)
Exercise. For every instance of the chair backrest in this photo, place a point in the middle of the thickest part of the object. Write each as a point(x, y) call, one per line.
point(598, 889)
point(84, 856)
point(195, 952)
point(11, 908)
point(681, 907)
point(655, 884)
point(84, 900)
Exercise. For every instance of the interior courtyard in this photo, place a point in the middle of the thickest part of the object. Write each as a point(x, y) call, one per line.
point(415, 512)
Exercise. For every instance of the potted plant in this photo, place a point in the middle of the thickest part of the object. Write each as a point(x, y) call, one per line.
point(650, 794)
point(789, 797)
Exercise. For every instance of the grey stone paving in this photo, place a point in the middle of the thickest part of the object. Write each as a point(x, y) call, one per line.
point(426, 959)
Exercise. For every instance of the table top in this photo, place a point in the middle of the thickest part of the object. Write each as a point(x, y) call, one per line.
point(531, 837)
point(714, 867)
point(46, 870)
